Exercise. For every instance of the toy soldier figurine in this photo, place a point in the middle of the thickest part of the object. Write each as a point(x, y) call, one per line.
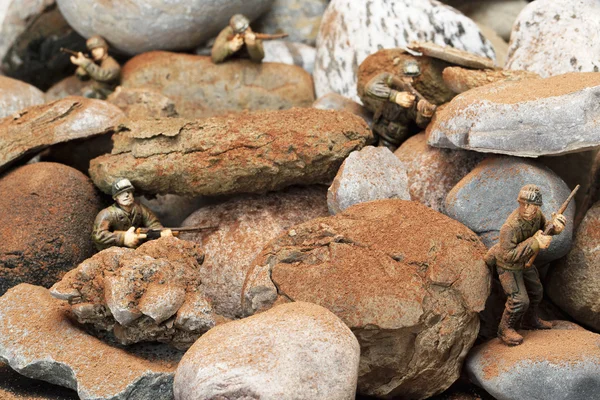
point(233, 38)
point(116, 225)
point(521, 238)
point(103, 69)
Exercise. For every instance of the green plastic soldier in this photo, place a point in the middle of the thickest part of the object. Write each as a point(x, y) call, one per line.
point(237, 37)
point(521, 238)
point(116, 225)
point(103, 69)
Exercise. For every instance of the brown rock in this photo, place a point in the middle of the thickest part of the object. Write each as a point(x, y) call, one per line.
point(70, 86)
point(16, 95)
point(251, 152)
point(461, 79)
point(142, 103)
point(245, 225)
point(200, 88)
point(46, 221)
point(407, 280)
point(52, 123)
point(334, 101)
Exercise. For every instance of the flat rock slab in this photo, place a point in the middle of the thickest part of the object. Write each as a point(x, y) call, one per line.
point(36, 128)
point(199, 88)
point(38, 341)
point(527, 118)
point(14, 386)
point(246, 153)
point(16, 95)
point(554, 364)
point(460, 79)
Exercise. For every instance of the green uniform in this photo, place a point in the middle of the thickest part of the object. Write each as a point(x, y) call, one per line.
point(106, 77)
point(114, 218)
point(221, 51)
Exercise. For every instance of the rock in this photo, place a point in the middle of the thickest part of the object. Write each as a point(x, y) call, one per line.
point(300, 19)
point(247, 153)
point(533, 46)
point(526, 118)
point(299, 350)
point(554, 364)
point(14, 386)
point(284, 52)
point(407, 281)
point(573, 283)
point(333, 101)
point(16, 16)
point(200, 88)
point(16, 95)
point(142, 103)
point(40, 342)
point(497, 15)
point(433, 172)
point(462, 79)
point(372, 173)
point(171, 209)
point(499, 45)
point(350, 32)
point(244, 226)
point(485, 197)
point(152, 293)
point(49, 210)
point(60, 121)
point(70, 86)
point(154, 24)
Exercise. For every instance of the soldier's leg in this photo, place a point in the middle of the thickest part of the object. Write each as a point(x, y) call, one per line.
point(517, 302)
point(381, 129)
point(531, 278)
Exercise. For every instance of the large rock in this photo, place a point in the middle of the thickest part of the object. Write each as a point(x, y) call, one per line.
point(244, 226)
point(199, 88)
point(372, 173)
point(142, 103)
point(485, 198)
point(555, 364)
point(300, 351)
point(70, 86)
point(154, 24)
point(14, 386)
point(533, 44)
point(16, 95)
point(38, 340)
point(334, 101)
point(462, 79)
point(525, 118)
point(46, 221)
point(407, 280)
point(351, 31)
point(573, 283)
point(247, 153)
point(292, 53)
point(60, 121)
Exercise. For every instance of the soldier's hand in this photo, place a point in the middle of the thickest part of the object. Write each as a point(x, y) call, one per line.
point(166, 233)
point(558, 221)
point(405, 99)
point(132, 239)
point(79, 60)
point(543, 240)
point(426, 108)
point(236, 43)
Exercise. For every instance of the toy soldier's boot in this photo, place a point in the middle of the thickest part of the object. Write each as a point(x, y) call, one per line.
point(531, 320)
point(506, 329)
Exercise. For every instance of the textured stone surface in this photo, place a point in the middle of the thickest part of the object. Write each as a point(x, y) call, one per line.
point(70, 86)
point(155, 24)
point(299, 350)
point(526, 118)
point(555, 364)
point(285, 52)
point(462, 79)
point(372, 173)
point(247, 153)
point(46, 221)
point(16, 95)
point(200, 88)
point(142, 103)
point(573, 283)
point(351, 31)
point(334, 101)
point(485, 197)
point(533, 44)
point(407, 280)
point(498, 15)
point(500, 45)
point(60, 121)
point(246, 224)
point(39, 341)
point(433, 172)
point(14, 386)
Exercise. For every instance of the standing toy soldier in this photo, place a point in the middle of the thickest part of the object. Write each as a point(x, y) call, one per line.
point(521, 238)
point(103, 69)
point(233, 38)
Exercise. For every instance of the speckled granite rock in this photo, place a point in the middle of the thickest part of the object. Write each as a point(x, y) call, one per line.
point(291, 53)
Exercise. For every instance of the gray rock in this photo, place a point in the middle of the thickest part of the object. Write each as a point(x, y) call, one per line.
point(16, 95)
point(526, 118)
point(533, 45)
point(484, 198)
point(38, 340)
point(299, 350)
point(154, 24)
point(334, 101)
point(14, 18)
point(373, 173)
point(284, 52)
point(555, 364)
point(351, 31)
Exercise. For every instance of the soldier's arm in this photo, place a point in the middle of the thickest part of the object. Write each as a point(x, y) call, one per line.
point(102, 74)
point(422, 121)
point(379, 87)
point(101, 233)
point(512, 251)
point(256, 51)
point(149, 220)
point(221, 50)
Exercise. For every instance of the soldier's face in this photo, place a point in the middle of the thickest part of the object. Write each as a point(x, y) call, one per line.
point(98, 53)
point(125, 199)
point(527, 211)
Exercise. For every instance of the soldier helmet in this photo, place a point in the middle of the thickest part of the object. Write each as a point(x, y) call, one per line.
point(239, 23)
point(121, 185)
point(96, 41)
point(530, 194)
point(411, 68)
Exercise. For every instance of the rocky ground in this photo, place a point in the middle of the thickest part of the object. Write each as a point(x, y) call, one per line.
point(328, 267)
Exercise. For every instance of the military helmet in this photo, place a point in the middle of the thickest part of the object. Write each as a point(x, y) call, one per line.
point(530, 194)
point(239, 23)
point(121, 185)
point(96, 41)
point(411, 68)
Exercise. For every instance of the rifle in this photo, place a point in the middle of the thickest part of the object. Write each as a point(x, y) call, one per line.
point(550, 226)
point(408, 87)
point(72, 52)
point(263, 36)
point(152, 234)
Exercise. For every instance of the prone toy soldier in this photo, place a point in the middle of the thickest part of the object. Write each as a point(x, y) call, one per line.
point(233, 38)
point(115, 225)
point(104, 70)
point(521, 238)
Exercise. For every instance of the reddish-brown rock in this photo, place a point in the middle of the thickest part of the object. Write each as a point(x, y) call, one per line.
point(462, 79)
point(142, 103)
